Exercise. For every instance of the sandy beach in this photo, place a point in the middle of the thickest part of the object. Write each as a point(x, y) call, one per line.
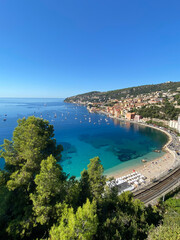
point(151, 169)
point(155, 168)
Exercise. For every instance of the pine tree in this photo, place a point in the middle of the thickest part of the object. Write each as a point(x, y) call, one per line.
point(81, 225)
point(96, 178)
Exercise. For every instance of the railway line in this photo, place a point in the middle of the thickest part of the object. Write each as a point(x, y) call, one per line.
point(158, 188)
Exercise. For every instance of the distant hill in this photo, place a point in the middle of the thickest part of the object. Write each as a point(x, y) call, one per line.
point(96, 96)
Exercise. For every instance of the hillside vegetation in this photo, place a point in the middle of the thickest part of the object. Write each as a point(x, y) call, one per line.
point(126, 92)
point(170, 224)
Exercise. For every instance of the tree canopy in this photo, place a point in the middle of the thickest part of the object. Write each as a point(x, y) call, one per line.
point(81, 225)
point(31, 143)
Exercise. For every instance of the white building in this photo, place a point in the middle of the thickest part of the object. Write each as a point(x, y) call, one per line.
point(175, 124)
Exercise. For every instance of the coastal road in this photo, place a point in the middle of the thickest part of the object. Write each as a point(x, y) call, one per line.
point(157, 189)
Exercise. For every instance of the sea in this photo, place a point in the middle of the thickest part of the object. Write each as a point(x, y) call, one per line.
point(119, 145)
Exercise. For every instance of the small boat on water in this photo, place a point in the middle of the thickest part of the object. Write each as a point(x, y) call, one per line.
point(55, 116)
point(158, 151)
point(143, 160)
point(4, 119)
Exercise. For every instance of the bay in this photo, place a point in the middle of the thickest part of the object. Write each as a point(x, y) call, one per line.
point(84, 135)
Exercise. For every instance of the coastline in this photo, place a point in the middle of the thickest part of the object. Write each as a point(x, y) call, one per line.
point(155, 168)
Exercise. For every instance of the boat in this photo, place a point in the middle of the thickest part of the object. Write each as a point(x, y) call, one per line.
point(158, 151)
point(4, 119)
point(55, 116)
point(143, 160)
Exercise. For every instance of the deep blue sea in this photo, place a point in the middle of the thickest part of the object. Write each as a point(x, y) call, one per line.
point(85, 135)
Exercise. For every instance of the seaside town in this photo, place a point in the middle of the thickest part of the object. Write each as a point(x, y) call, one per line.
point(127, 108)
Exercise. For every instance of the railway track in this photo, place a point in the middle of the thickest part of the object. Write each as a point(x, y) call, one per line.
point(158, 188)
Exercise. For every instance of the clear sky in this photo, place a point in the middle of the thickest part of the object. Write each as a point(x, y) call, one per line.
point(59, 48)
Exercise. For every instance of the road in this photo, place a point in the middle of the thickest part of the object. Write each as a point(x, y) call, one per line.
point(158, 188)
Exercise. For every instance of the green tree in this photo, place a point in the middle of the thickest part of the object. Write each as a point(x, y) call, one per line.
point(4, 196)
point(50, 191)
point(96, 178)
point(81, 225)
point(31, 143)
point(84, 188)
point(170, 227)
point(165, 232)
point(125, 218)
point(73, 192)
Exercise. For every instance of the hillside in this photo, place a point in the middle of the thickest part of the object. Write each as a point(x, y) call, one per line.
point(96, 96)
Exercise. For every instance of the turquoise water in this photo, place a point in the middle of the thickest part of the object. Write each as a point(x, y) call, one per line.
point(85, 135)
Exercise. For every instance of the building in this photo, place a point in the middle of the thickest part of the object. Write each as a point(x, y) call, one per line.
point(130, 116)
point(175, 124)
point(117, 112)
point(110, 110)
point(137, 118)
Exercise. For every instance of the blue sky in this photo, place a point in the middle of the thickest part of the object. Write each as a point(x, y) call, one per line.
point(59, 48)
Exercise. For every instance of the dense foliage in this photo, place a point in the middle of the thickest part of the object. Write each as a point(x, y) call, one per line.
point(39, 201)
point(118, 94)
point(170, 227)
point(177, 98)
point(167, 111)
